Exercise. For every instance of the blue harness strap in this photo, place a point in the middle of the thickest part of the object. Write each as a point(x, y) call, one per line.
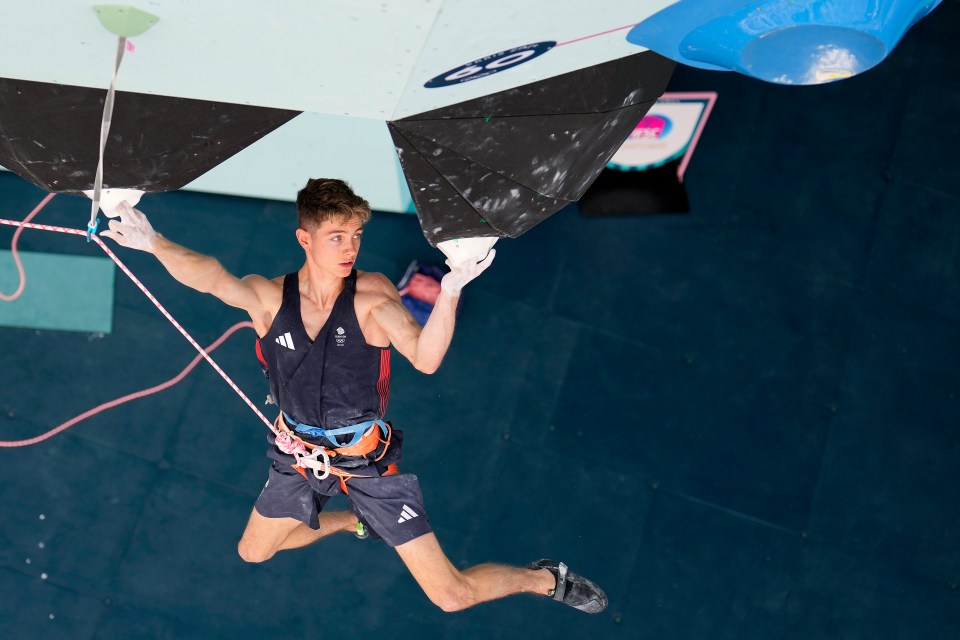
point(356, 429)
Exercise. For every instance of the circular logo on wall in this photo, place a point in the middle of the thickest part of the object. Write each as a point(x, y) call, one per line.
point(488, 65)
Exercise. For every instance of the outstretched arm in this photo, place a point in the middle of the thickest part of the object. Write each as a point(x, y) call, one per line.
point(197, 271)
point(425, 347)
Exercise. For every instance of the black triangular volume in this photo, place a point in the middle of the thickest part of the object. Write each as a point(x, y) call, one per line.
point(443, 212)
point(509, 207)
point(50, 135)
point(642, 77)
point(557, 156)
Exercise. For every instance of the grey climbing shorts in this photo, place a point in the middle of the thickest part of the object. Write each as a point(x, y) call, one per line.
point(390, 507)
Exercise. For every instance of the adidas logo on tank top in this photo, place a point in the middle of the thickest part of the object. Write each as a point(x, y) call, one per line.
point(286, 341)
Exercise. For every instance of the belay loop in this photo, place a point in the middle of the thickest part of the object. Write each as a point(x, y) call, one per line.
point(310, 461)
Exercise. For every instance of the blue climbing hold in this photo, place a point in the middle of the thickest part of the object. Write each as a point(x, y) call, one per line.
point(781, 41)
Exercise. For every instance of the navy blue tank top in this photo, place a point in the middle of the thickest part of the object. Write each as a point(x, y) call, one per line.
point(333, 381)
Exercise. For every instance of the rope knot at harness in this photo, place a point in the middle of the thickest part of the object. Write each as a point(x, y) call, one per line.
point(287, 444)
point(306, 459)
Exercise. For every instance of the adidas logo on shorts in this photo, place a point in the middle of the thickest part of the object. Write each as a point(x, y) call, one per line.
point(406, 514)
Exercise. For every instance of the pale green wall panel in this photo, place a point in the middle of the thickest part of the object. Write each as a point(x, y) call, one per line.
point(64, 292)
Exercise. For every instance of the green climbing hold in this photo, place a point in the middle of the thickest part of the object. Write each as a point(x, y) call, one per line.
point(124, 20)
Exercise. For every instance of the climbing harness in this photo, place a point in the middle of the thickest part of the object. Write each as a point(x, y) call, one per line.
point(318, 458)
point(358, 431)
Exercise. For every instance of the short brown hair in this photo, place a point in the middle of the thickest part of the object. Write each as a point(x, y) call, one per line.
point(327, 198)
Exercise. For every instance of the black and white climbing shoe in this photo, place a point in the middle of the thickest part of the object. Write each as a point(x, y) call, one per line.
point(572, 589)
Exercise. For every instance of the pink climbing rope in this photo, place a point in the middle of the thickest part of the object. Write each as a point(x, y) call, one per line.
point(16, 255)
point(130, 396)
point(25, 224)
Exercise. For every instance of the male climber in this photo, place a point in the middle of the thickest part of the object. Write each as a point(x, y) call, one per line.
point(325, 337)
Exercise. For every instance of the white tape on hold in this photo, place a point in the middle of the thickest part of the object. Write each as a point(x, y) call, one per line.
point(110, 198)
point(463, 250)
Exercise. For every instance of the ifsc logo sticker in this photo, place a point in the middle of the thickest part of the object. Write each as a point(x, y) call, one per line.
point(653, 126)
point(487, 65)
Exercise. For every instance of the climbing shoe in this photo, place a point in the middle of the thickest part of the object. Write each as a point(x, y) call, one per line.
point(573, 590)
